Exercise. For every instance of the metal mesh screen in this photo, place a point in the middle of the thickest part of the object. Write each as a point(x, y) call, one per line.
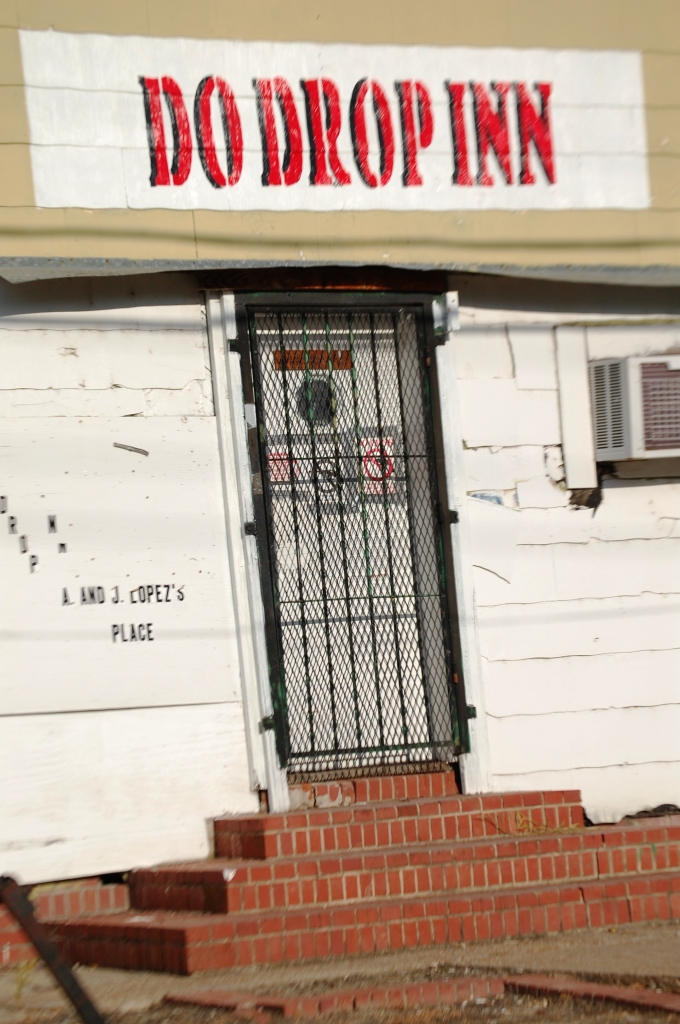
point(364, 673)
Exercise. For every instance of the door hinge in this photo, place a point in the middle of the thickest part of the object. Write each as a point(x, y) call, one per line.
point(250, 529)
point(267, 723)
point(446, 516)
point(471, 711)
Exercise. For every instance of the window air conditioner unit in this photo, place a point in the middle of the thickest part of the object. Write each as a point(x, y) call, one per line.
point(636, 407)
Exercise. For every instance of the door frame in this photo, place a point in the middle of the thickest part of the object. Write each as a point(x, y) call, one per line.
point(422, 304)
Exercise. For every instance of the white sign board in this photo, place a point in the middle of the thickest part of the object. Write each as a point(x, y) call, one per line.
point(185, 124)
point(115, 581)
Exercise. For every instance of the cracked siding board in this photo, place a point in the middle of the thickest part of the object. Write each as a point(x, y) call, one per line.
point(557, 629)
point(126, 360)
point(548, 685)
point(532, 580)
point(590, 617)
point(555, 526)
point(118, 769)
point(593, 739)
point(637, 509)
point(195, 399)
point(618, 568)
point(572, 572)
point(493, 536)
point(542, 493)
point(502, 469)
point(95, 360)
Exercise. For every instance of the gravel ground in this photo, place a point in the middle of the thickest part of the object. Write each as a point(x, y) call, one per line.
point(509, 1009)
point(646, 955)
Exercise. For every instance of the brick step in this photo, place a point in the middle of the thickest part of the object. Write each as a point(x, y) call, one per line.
point(344, 792)
point(223, 886)
point(158, 941)
point(183, 943)
point(250, 1005)
point(57, 901)
point(394, 823)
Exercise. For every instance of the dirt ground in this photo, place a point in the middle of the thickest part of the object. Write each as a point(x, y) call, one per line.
point(646, 955)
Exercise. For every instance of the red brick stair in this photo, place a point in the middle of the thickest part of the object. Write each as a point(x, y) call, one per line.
point(232, 886)
point(397, 862)
point(393, 823)
point(59, 901)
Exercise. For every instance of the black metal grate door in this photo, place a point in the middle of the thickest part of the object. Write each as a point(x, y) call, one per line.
point(360, 651)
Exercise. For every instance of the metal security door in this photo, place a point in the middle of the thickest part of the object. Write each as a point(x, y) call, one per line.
point(359, 639)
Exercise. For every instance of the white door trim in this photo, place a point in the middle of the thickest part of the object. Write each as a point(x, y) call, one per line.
point(243, 558)
point(475, 766)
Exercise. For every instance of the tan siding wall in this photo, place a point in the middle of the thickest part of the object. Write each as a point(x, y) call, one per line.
point(616, 238)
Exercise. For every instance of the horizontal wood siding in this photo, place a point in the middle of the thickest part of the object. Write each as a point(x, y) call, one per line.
point(578, 611)
point(114, 754)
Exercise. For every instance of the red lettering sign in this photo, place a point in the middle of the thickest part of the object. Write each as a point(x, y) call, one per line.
point(486, 107)
point(534, 126)
point(383, 119)
point(323, 139)
point(461, 169)
point(414, 94)
point(155, 131)
point(491, 127)
point(274, 171)
point(231, 125)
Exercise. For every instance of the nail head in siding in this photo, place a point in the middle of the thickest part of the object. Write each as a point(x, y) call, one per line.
point(130, 448)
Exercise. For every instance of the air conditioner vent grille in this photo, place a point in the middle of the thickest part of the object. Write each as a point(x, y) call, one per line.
point(606, 382)
point(660, 406)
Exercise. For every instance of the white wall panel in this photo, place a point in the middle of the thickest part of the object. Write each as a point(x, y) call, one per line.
point(107, 791)
point(482, 354)
point(494, 413)
point(127, 521)
point(581, 637)
point(116, 752)
point(607, 792)
point(561, 628)
point(541, 686)
point(617, 568)
point(533, 356)
point(584, 739)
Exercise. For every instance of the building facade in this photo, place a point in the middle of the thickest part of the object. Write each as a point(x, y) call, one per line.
point(340, 402)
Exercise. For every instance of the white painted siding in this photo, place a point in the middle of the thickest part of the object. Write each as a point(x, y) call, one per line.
point(577, 612)
point(115, 754)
